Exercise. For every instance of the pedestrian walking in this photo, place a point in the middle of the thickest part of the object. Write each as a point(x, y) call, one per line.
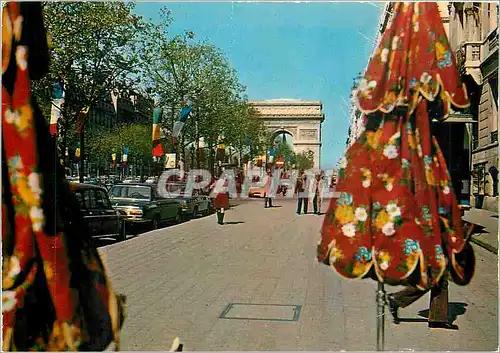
point(318, 193)
point(221, 200)
point(300, 191)
point(268, 180)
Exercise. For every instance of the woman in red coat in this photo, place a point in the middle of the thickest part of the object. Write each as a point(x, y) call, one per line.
point(221, 200)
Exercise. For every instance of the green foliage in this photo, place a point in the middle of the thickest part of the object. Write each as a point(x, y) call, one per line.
point(137, 137)
point(304, 161)
point(92, 51)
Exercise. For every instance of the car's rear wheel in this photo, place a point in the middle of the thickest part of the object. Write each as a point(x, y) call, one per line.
point(195, 212)
point(155, 224)
point(122, 235)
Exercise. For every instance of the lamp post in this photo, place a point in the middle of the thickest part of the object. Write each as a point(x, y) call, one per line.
point(192, 149)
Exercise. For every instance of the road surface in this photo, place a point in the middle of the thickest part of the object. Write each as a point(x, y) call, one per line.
point(180, 280)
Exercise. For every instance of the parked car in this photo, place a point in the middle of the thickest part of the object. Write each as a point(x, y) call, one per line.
point(257, 191)
point(100, 218)
point(192, 205)
point(142, 205)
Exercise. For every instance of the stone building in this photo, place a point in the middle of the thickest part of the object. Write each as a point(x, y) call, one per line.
point(473, 35)
point(298, 119)
point(124, 107)
point(469, 138)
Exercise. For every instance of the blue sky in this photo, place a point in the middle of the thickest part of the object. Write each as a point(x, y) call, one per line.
point(308, 51)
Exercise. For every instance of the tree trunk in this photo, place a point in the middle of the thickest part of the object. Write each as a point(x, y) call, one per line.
point(82, 153)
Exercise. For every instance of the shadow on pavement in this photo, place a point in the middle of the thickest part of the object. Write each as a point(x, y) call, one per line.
point(454, 310)
point(237, 222)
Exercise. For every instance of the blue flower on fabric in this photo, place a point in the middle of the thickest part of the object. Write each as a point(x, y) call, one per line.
point(442, 210)
point(413, 82)
point(439, 252)
point(344, 199)
point(406, 163)
point(363, 254)
point(445, 60)
point(426, 213)
point(427, 160)
point(411, 246)
point(15, 163)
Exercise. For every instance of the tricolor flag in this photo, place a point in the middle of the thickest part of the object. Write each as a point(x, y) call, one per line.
point(57, 102)
point(157, 116)
point(179, 124)
point(125, 155)
point(113, 158)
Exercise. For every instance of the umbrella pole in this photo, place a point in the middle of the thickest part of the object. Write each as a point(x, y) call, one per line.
point(381, 301)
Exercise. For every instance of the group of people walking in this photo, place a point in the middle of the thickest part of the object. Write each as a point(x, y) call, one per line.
point(302, 192)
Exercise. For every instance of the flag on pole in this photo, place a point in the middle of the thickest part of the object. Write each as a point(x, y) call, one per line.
point(57, 102)
point(179, 124)
point(157, 116)
point(113, 158)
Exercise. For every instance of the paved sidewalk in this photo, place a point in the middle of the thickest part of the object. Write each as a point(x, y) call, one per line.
point(180, 279)
point(486, 231)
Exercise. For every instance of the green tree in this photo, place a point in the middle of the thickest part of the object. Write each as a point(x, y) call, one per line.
point(304, 161)
point(179, 69)
point(92, 47)
point(136, 137)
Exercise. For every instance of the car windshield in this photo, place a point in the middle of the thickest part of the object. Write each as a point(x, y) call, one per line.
point(130, 192)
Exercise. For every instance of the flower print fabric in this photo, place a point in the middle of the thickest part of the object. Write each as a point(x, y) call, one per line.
point(37, 273)
point(397, 213)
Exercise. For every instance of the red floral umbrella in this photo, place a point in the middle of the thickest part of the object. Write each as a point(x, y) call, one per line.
point(397, 220)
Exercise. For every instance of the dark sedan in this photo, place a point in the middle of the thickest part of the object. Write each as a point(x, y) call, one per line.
point(141, 204)
point(100, 218)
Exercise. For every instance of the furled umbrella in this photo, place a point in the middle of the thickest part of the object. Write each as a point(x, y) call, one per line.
point(397, 220)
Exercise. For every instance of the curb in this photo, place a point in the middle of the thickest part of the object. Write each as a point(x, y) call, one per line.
point(484, 245)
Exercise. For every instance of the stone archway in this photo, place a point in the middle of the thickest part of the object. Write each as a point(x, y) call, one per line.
point(297, 118)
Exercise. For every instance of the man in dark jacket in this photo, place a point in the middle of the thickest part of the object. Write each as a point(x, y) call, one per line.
point(300, 190)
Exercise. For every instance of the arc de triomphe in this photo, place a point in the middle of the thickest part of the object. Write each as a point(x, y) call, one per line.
point(299, 118)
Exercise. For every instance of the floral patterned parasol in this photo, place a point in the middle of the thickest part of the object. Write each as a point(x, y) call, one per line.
point(397, 220)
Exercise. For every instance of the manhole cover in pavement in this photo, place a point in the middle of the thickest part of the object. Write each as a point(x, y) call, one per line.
point(269, 312)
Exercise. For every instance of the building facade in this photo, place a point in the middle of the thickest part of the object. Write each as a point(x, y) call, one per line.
point(473, 35)
point(123, 107)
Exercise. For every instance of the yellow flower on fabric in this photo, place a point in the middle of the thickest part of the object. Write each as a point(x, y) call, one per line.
point(373, 138)
point(390, 98)
point(49, 270)
point(27, 195)
point(382, 219)
point(335, 254)
point(384, 55)
point(344, 214)
point(384, 259)
point(25, 117)
point(429, 176)
point(411, 141)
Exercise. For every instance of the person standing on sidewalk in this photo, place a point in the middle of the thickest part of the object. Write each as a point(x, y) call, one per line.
point(318, 192)
point(221, 200)
point(268, 180)
point(300, 191)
